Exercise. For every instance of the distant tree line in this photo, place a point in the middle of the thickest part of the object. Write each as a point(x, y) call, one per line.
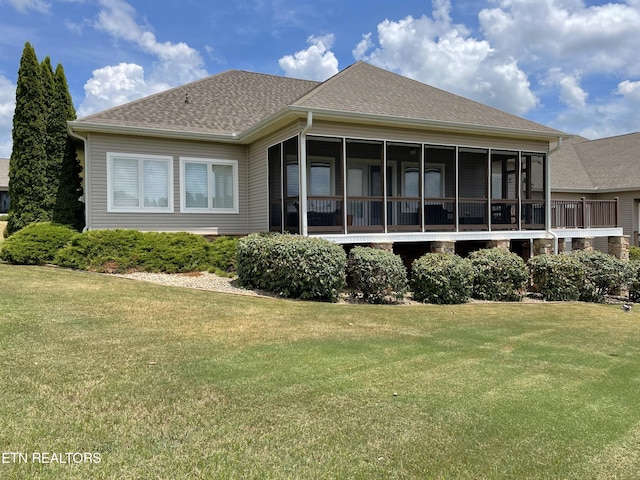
point(44, 170)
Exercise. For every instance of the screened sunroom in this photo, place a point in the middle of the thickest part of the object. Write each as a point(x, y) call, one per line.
point(354, 186)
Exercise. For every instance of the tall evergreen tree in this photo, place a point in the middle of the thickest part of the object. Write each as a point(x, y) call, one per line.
point(44, 171)
point(27, 182)
point(68, 209)
point(54, 146)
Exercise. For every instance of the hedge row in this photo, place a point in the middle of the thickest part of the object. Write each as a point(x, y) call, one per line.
point(312, 268)
point(118, 251)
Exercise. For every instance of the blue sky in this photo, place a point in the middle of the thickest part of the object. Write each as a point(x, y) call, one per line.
point(569, 64)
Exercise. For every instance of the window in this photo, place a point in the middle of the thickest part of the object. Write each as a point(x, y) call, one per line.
point(208, 186)
point(434, 181)
point(138, 182)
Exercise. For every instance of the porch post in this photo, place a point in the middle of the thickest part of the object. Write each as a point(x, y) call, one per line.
point(547, 191)
point(304, 228)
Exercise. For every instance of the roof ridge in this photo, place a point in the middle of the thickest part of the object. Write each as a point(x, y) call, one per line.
point(193, 83)
point(628, 134)
point(153, 95)
point(322, 85)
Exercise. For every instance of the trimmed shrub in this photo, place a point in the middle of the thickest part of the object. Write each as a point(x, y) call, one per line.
point(36, 244)
point(557, 277)
point(634, 281)
point(291, 265)
point(498, 275)
point(222, 254)
point(603, 274)
point(119, 251)
point(441, 278)
point(106, 251)
point(379, 275)
point(172, 252)
point(634, 254)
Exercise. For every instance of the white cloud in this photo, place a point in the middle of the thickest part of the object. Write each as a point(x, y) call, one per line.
point(175, 63)
point(7, 107)
point(114, 85)
point(443, 54)
point(568, 45)
point(23, 6)
point(595, 39)
point(570, 92)
point(315, 63)
point(630, 90)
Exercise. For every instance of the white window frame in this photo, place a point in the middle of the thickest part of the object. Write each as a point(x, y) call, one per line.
point(209, 162)
point(140, 158)
point(436, 167)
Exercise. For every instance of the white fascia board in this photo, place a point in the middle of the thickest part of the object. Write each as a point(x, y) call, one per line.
point(151, 132)
point(432, 124)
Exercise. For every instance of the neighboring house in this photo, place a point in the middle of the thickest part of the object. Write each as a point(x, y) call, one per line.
point(365, 157)
point(585, 171)
point(4, 185)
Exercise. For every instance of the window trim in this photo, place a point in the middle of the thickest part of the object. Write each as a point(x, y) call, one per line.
point(140, 158)
point(209, 161)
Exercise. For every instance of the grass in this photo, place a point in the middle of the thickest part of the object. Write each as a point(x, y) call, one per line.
point(174, 383)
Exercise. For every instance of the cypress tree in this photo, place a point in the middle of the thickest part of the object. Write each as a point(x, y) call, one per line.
point(68, 210)
point(54, 146)
point(27, 188)
point(44, 171)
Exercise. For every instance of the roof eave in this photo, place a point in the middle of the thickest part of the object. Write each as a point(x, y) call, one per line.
point(88, 127)
point(430, 124)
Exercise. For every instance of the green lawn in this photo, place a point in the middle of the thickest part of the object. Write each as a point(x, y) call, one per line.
point(173, 383)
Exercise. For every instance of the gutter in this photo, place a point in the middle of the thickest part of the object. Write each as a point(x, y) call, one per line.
point(153, 132)
point(433, 124)
point(87, 174)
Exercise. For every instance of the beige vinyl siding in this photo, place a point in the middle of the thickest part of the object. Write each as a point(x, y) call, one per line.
point(224, 224)
point(628, 211)
point(424, 136)
point(258, 176)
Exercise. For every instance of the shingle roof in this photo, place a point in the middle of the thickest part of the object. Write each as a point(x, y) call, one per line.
point(234, 101)
point(608, 163)
point(363, 88)
point(226, 103)
point(4, 173)
point(567, 171)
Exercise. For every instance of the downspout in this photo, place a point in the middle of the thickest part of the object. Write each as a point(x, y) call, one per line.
point(548, 196)
point(87, 171)
point(304, 229)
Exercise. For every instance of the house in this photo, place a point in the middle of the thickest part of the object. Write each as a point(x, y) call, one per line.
point(586, 171)
point(4, 185)
point(366, 157)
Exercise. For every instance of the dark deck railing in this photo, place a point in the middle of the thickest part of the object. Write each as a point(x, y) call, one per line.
point(366, 214)
point(585, 213)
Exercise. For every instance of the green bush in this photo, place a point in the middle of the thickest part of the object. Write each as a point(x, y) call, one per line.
point(36, 244)
point(603, 274)
point(172, 252)
point(222, 254)
point(110, 251)
point(291, 265)
point(634, 281)
point(498, 275)
point(441, 278)
point(634, 254)
point(557, 277)
point(120, 251)
point(379, 275)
